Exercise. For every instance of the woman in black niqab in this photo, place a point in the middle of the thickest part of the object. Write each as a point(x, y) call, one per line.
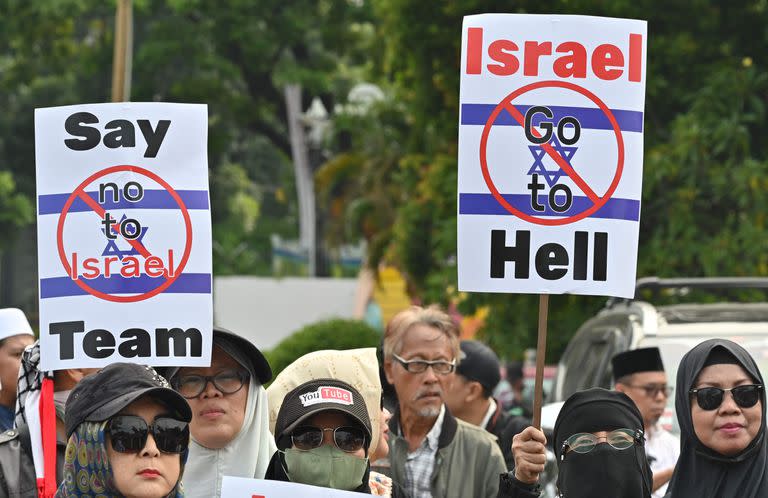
point(605, 471)
point(702, 472)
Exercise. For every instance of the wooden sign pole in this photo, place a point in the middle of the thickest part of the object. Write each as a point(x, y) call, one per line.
point(541, 352)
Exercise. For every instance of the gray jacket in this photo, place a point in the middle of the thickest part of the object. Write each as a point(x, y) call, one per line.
point(467, 464)
point(17, 469)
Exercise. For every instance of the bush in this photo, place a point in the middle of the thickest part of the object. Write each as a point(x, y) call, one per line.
point(329, 334)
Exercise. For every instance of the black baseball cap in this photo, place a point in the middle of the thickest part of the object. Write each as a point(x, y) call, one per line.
point(317, 396)
point(102, 395)
point(478, 362)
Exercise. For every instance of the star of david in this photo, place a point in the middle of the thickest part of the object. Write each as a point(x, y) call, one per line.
point(113, 250)
point(551, 176)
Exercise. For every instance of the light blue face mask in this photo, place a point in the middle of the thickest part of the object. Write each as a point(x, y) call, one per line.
point(326, 466)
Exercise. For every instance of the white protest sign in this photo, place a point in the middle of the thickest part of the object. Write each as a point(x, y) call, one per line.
point(550, 153)
point(124, 235)
point(241, 487)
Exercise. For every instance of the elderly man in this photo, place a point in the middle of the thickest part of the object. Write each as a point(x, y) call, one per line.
point(15, 335)
point(639, 374)
point(470, 396)
point(432, 454)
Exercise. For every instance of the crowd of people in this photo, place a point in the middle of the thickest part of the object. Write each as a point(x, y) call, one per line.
point(416, 418)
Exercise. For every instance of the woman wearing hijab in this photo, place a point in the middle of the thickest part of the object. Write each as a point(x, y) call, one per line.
point(323, 435)
point(599, 446)
point(230, 416)
point(720, 404)
point(356, 367)
point(128, 436)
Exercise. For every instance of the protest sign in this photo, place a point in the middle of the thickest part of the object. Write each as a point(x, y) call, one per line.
point(550, 153)
point(124, 235)
point(241, 487)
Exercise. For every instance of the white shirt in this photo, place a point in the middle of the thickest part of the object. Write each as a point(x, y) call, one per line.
point(662, 450)
point(489, 414)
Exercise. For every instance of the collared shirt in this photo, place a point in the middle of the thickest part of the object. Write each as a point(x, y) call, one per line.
point(6, 418)
point(489, 413)
point(663, 450)
point(420, 463)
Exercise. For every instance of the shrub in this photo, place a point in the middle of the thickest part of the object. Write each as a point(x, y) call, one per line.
point(336, 333)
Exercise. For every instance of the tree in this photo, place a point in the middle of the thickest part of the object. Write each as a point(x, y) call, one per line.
point(703, 202)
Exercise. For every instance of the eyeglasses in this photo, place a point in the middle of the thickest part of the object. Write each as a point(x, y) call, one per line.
point(128, 434)
point(228, 382)
point(440, 367)
point(349, 439)
point(710, 398)
point(619, 439)
point(653, 390)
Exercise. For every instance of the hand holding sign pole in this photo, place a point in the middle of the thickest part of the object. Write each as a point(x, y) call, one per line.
point(550, 158)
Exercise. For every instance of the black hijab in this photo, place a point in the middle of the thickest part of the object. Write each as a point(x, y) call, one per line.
point(700, 471)
point(604, 471)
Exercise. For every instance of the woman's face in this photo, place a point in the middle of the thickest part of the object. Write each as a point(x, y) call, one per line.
point(382, 449)
point(217, 417)
point(149, 473)
point(729, 428)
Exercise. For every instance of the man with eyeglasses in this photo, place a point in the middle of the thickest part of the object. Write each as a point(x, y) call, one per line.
point(432, 454)
point(639, 373)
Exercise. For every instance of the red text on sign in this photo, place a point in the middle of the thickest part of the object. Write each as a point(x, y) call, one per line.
point(128, 267)
point(569, 59)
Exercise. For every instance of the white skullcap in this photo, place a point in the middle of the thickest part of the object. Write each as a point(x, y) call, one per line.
point(13, 322)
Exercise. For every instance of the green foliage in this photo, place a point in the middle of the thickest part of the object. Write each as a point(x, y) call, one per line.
point(15, 209)
point(704, 199)
point(329, 334)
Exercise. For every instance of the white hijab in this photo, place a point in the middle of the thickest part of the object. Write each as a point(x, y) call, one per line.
point(247, 455)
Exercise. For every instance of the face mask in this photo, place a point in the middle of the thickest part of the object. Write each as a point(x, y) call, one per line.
point(326, 466)
point(602, 470)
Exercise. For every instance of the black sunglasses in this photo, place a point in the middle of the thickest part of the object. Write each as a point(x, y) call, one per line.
point(710, 398)
point(349, 439)
point(129, 433)
point(227, 382)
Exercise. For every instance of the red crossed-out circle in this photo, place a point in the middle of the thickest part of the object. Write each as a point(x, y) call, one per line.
point(506, 104)
point(80, 192)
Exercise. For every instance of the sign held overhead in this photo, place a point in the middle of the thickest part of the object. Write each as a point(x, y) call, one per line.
point(550, 153)
point(124, 235)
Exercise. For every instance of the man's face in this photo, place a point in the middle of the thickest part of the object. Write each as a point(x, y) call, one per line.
point(421, 393)
point(10, 362)
point(648, 391)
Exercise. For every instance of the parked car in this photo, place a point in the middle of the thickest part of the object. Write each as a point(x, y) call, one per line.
point(626, 324)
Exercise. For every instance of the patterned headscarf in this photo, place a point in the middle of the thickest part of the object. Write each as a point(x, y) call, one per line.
point(87, 473)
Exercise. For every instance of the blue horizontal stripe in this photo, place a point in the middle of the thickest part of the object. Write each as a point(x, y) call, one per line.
point(616, 209)
point(589, 117)
point(186, 283)
point(153, 199)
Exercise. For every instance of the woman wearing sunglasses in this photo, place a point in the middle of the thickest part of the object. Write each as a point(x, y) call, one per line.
point(600, 449)
point(128, 436)
point(323, 433)
point(230, 416)
point(721, 411)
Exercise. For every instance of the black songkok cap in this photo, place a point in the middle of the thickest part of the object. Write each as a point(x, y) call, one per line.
point(478, 362)
point(636, 360)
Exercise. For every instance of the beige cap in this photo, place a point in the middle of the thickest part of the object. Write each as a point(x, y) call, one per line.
point(13, 322)
point(357, 367)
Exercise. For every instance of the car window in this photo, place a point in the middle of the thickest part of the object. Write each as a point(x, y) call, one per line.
point(587, 362)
